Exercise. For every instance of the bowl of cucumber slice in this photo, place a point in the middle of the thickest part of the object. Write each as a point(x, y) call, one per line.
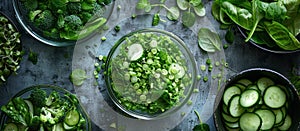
point(44, 107)
point(257, 99)
point(150, 73)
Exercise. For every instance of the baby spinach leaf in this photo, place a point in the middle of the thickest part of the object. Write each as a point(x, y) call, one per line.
point(182, 4)
point(257, 10)
point(275, 11)
point(240, 16)
point(281, 35)
point(188, 19)
point(215, 10)
point(208, 40)
point(199, 10)
point(202, 126)
point(224, 18)
point(173, 13)
point(144, 4)
point(78, 76)
point(195, 2)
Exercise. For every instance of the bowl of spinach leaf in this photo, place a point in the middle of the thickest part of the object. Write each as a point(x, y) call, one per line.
point(273, 26)
point(44, 107)
point(62, 22)
point(150, 74)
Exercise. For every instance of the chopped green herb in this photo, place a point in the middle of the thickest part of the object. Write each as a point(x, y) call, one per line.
point(182, 113)
point(198, 77)
point(225, 46)
point(217, 63)
point(210, 67)
point(189, 102)
point(33, 57)
point(103, 38)
point(208, 61)
point(117, 28)
point(196, 90)
point(113, 125)
point(133, 16)
point(203, 67)
point(205, 79)
point(155, 20)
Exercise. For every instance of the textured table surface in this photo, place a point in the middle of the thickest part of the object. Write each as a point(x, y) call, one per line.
point(56, 63)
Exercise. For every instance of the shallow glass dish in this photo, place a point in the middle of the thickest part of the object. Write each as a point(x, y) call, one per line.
point(25, 93)
point(150, 73)
point(292, 105)
point(22, 16)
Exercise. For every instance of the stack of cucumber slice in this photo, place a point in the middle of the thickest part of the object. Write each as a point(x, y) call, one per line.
point(256, 105)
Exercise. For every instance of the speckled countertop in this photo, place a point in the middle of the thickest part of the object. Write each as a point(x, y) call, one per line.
point(56, 63)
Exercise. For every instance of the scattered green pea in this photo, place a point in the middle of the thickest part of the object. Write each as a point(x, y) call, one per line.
point(103, 38)
point(189, 102)
point(205, 79)
point(117, 28)
point(196, 90)
point(133, 16)
point(208, 61)
point(225, 46)
point(203, 67)
point(198, 77)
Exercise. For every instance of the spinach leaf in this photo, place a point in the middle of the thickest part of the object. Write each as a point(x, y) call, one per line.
point(257, 11)
point(182, 4)
point(208, 40)
point(188, 19)
point(195, 2)
point(281, 35)
point(215, 10)
point(78, 76)
point(173, 13)
point(199, 10)
point(240, 16)
point(144, 4)
point(275, 11)
point(202, 126)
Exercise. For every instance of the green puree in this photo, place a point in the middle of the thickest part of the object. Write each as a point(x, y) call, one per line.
point(149, 74)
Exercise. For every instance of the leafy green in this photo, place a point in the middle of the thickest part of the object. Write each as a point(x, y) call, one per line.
point(281, 35)
point(78, 76)
point(208, 40)
point(188, 19)
point(200, 10)
point(202, 126)
point(229, 36)
point(155, 20)
point(144, 4)
point(173, 13)
point(33, 57)
point(182, 4)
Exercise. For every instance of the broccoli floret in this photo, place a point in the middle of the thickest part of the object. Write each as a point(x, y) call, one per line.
point(44, 20)
point(72, 23)
point(85, 16)
point(38, 97)
point(30, 5)
point(52, 115)
point(53, 99)
point(74, 7)
point(98, 10)
point(56, 5)
point(33, 14)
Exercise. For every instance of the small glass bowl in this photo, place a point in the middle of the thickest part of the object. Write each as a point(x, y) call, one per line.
point(25, 93)
point(22, 18)
point(254, 74)
point(122, 45)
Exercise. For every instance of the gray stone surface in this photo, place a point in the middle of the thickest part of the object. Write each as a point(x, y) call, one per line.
point(55, 64)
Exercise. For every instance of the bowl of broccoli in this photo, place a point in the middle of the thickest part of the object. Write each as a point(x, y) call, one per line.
point(44, 107)
point(150, 74)
point(62, 22)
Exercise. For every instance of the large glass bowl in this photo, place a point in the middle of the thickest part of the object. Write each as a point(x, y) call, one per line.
point(254, 74)
point(25, 93)
point(22, 16)
point(136, 97)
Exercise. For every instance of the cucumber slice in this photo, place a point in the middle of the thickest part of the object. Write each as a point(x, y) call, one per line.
point(250, 122)
point(58, 127)
point(263, 83)
point(274, 97)
point(225, 109)
point(235, 109)
point(245, 82)
point(72, 118)
point(241, 86)
point(267, 117)
point(253, 86)
point(67, 127)
point(249, 98)
point(229, 118)
point(135, 52)
point(232, 125)
point(278, 115)
point(287, 123)
point(229, 92)
point(11, 127)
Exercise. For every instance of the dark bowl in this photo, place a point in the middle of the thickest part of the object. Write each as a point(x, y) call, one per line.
point(25, 93)
point(253, 74)
point(264, 46)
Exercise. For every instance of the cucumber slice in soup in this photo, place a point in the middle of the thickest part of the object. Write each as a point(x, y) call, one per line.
point(135, 52)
